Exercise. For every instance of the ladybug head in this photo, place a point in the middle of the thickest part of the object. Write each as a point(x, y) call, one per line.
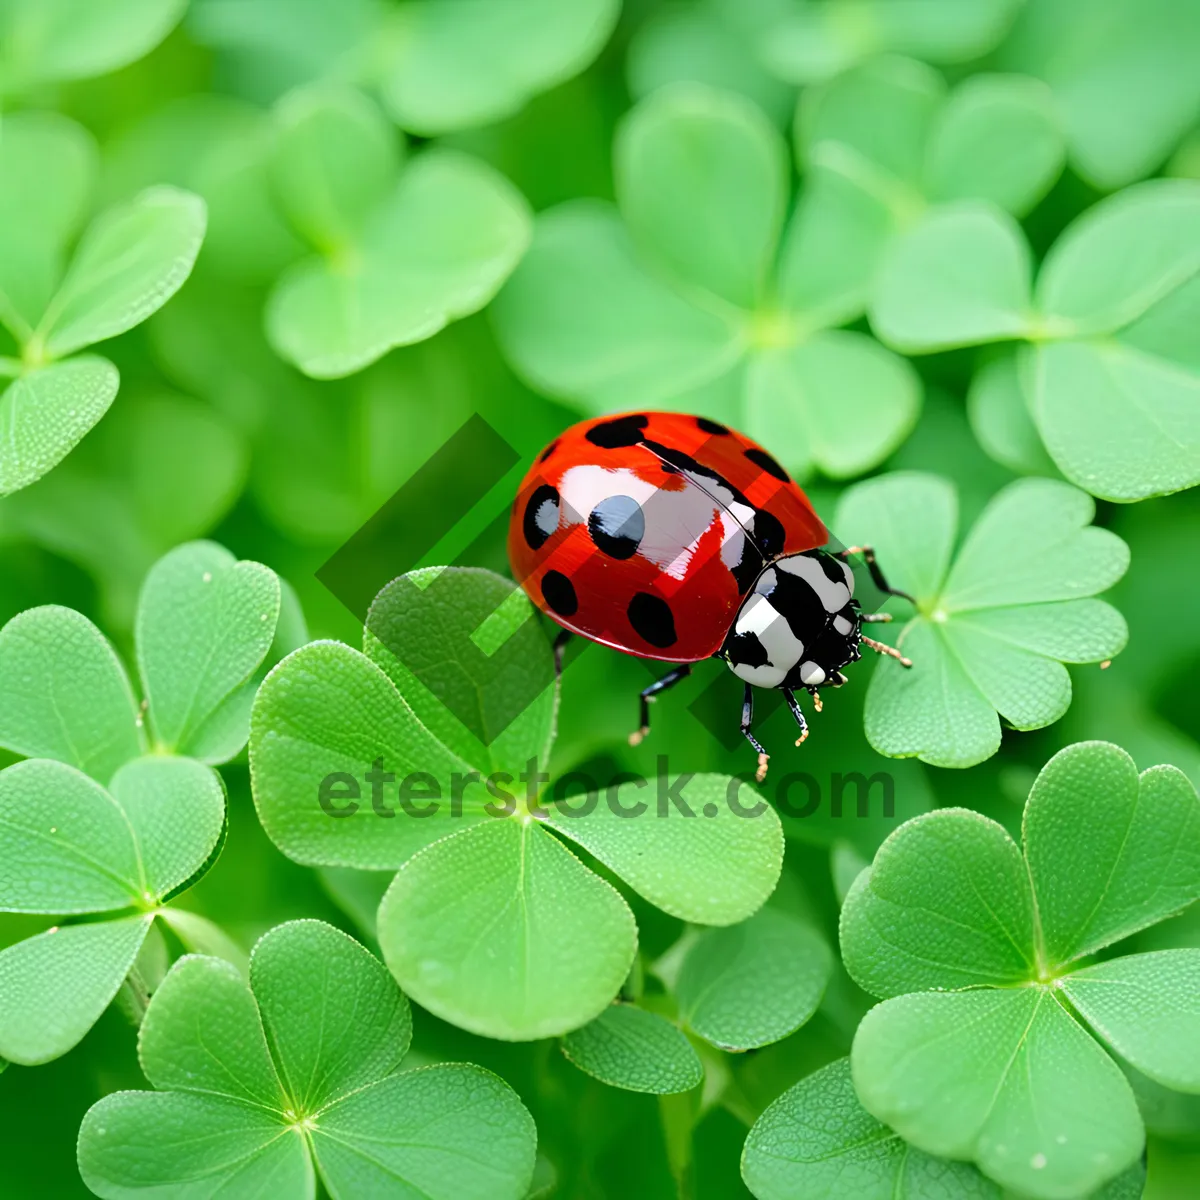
point(798, 625)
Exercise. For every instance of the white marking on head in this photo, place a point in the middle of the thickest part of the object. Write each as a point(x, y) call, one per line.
point(762, 620)
point(834, 596)
point(767, 676)
point(812, 675)
point(842, 626)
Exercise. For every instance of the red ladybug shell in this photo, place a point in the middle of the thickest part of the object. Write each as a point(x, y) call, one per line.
point(645, 531)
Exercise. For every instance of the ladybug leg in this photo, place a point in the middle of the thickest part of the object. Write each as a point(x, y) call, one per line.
point(669, 680)
point(747, 717)
point(877, 576)
point(882, 648)
point(790, 697)
point(560, 648)
point(874, 618)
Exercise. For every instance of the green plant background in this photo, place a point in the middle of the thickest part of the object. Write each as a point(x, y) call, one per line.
point(258, 261)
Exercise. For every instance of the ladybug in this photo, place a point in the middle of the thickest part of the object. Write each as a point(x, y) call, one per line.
point(672, 537)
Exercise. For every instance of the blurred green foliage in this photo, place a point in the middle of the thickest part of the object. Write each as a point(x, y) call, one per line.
point(259, 259)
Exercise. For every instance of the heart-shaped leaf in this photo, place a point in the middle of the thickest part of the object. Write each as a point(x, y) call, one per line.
point(1041, 1109)
point(131, 261)
point(686, 141)
point(992, 630)
point(973, 923)
point(976, 1053)
point(675, 307)
point(753, 983)
point(669, 846)
point(334, 160)
point(436, 248)
point(1118, 128)
point(323, 721)
point(265, 1097)
point(72, 847)
point(64, 693)
point(1140, 864)
point(48, 167)
point(960, 276)
point(467, 652)
point(817, 1140)
point(53, 40)
point(1111, 377)
point(443, 73)
point(1001, 421)
point(1145, 1007)
point(54, 987)
point(435, 71)
point(805, 45)
point(553, 947)
point(639, 1051)
point(997, 139)
point(43, 416)
point(205, 622)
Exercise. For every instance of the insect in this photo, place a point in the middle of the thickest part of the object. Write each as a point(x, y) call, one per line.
point(672, 537)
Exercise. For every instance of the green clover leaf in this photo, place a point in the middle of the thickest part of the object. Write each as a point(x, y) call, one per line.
point(73, 847)
point(1118, 128)
point(639, 1051)
point(995, 620)
point(401, 252)
point(436, 66)
point(753, 983)
point(979, 1049)
point(128, 263)
point(890, 129)
point(716, 42)
point(812, 42)
point(205, 623)
point(677, 299)
point(261, 1088)
point(1001, 422)
point(817, 1140)
point(737, 988)
point(491, 921)
point(1110, 376)
point(50, 41)
point(885, 141)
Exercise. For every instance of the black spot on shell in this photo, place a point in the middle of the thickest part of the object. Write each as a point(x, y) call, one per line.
point(745, 572)
point(768, 533)
point(713, 427)
point(760, 458)
point(652, 619)
point(687, 465)
point(559, 593)
point(617, 525)
point(613, 435)
point(535, 534)
point(549, 450)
